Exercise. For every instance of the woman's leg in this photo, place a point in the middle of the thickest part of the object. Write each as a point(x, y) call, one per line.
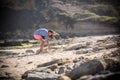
point(40, 39)
point(42, 45)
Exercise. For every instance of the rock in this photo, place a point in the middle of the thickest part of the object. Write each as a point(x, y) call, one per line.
point(11, 43)
point(30, 62)
point(112, 45)
point(1, 61)
point(90, 67)
point(113, 39)
point(76, 65)
point(112, 64)
point(5, 66)
point(81, 58)
point(8, 74)
point(56, 63)
point(110, 76)
point(61, 70)
point(115, 76)
point(115, 53)
point(29, 51)
point(46, 70)
point(76, 60)
point(56, 71)
point(104, 72)
point(16, 65)
point(76, 46)
point(63, 61)
point(48, 63)
point(69, 66)
point(100, 41)
point(88, 43)
point(83, 51)
point(57, 47)
point(95, 49)
point(53, 67)
point(39, 76)
point(85, 77)
point(25, 41)
point(63, 78)
point(37, 51)
point(7, 78)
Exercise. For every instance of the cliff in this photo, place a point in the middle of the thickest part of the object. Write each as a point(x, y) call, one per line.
point(74, 17)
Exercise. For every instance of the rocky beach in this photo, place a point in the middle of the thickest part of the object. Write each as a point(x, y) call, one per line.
point(78, 58)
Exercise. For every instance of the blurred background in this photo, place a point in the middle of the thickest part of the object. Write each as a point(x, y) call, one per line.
point(20, 18)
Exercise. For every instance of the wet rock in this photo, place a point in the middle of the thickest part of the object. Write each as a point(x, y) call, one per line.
point(39, 76)
point(5, 66)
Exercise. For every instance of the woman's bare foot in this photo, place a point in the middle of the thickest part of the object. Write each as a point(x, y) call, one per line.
point(39, 51)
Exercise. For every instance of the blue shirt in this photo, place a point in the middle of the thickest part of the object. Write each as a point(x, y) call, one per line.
point(42, 32)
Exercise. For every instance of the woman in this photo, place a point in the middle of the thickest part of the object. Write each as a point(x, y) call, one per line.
point(42, 35)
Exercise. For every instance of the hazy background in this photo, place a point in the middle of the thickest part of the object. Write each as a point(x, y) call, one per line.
point(20, 18)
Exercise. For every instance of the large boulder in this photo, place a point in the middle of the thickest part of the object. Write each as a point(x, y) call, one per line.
point(90, 67)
